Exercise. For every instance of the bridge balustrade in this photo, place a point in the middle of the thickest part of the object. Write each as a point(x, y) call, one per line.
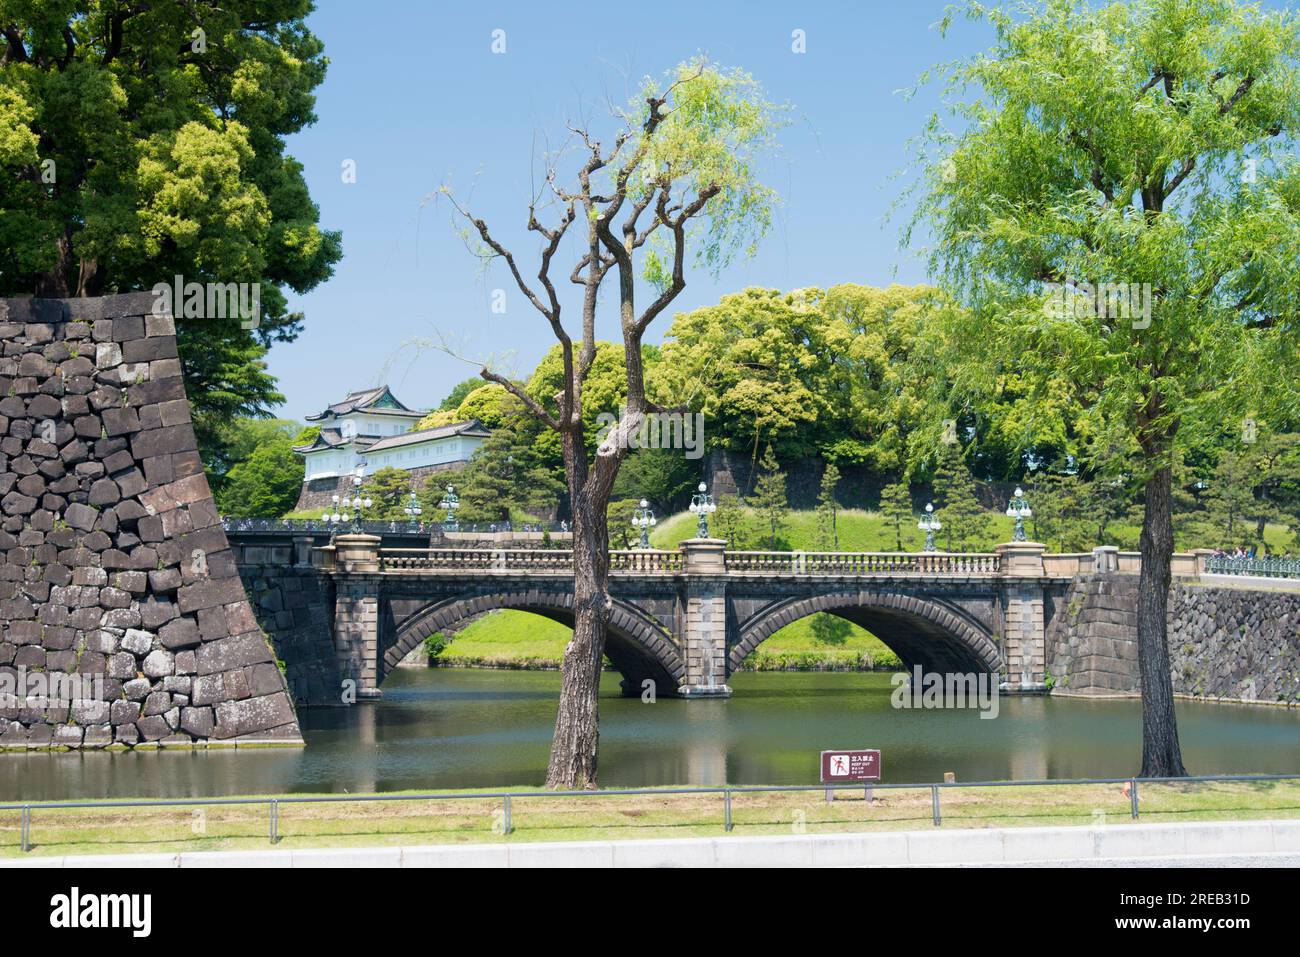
point(635, 561)
point(655, 561)
point(463, 559)
point(645, 560)
point(863, 563)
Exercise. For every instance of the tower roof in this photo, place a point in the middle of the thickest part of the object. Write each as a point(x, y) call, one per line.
point(379, 399)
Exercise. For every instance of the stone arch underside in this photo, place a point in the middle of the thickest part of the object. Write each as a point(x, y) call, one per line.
point(636, 645)
point(920, 631)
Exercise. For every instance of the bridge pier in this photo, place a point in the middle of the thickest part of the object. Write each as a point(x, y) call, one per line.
point(356, 613)
point(1024, 633)
point(704, 641)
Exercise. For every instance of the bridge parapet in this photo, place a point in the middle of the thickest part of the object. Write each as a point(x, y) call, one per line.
point(670, 562)
point(532, 560)
point(865, 563)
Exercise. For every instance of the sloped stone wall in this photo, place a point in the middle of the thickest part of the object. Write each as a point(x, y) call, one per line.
point(113, 564)
point(1224, 643)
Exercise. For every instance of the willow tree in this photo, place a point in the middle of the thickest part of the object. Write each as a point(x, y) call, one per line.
point(1119, 213)
point(678, 173)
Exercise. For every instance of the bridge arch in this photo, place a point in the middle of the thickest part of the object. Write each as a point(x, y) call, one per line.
point(635, 643)
point(921, 631)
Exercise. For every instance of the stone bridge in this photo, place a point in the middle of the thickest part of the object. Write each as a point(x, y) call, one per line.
point(684, 619)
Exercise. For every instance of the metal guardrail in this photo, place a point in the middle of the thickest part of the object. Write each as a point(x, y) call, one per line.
point(1257, 567)
point(726, 792)
point(389, 527)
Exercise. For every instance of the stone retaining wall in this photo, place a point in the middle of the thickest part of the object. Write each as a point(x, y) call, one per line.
point(113, 563)
point(1224, 643)
point(318, 494)
point(295, 607)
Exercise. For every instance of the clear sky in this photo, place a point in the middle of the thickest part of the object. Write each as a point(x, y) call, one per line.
point(416, 97)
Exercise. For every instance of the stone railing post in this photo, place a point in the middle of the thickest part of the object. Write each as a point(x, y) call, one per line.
point(356, 615)
point(1024, 639)
point(302, 550)
point(704, 642)
point(1202, 558)
point(357, 553)
point(1105, 560)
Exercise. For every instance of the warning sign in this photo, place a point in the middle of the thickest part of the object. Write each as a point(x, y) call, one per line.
point(846, 766)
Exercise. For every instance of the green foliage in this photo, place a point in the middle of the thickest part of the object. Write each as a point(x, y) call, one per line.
point(603, 393)
point(263, 475)
point(1112, 145)
point(389, 491)
point(664, 477)
point(828, 509)
point(716, 125)
point(491, 404)
point(964, 520)
point(619, 517)
point(505, 478)
point(830, 629)
point(769, 499)
point(132, 152)
point(1073, 513)
point(459, 393)
point(1252, 484)
point(731, 522)
point(896, 510)
point(811, 371)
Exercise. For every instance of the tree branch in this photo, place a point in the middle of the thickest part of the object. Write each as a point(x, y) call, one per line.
point(533, 406)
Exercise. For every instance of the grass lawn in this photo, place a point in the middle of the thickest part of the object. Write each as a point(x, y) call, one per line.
point(517, 639)
point(863, 531)
point(859, 531)
point(509, 639)
point(611, 816)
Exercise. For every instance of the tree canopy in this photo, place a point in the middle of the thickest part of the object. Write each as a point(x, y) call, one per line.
point(1119, 219)
point(143, 141)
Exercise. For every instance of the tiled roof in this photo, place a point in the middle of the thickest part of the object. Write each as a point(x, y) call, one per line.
point(363, 400)
point(333, 438)
point(472, 428)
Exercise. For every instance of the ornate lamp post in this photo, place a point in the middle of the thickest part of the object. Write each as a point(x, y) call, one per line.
point(702, 505)
point(333, 517)
point(929, 524)
point(644, 519)
point(450, 502)
point(1019, 510)
point(413, 512)
point(358, 503)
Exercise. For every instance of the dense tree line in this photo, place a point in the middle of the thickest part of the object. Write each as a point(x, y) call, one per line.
point(850, 376)
point(847, 376)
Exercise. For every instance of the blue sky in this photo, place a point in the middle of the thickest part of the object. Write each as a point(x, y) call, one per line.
point(416, 98)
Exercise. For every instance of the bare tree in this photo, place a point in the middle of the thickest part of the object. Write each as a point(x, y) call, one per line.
point(682, 157)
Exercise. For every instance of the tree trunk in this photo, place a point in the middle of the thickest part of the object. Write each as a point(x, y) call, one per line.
point(1161, 756)
point(577, 723)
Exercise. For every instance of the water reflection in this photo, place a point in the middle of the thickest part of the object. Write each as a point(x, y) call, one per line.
point(447, 728)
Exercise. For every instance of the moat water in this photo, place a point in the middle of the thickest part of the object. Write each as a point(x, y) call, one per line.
point(445, 728)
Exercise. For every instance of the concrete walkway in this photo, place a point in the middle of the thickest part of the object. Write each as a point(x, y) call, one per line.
point(1127, 843)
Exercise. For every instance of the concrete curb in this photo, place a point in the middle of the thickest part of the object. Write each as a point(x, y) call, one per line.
point(884, 848)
